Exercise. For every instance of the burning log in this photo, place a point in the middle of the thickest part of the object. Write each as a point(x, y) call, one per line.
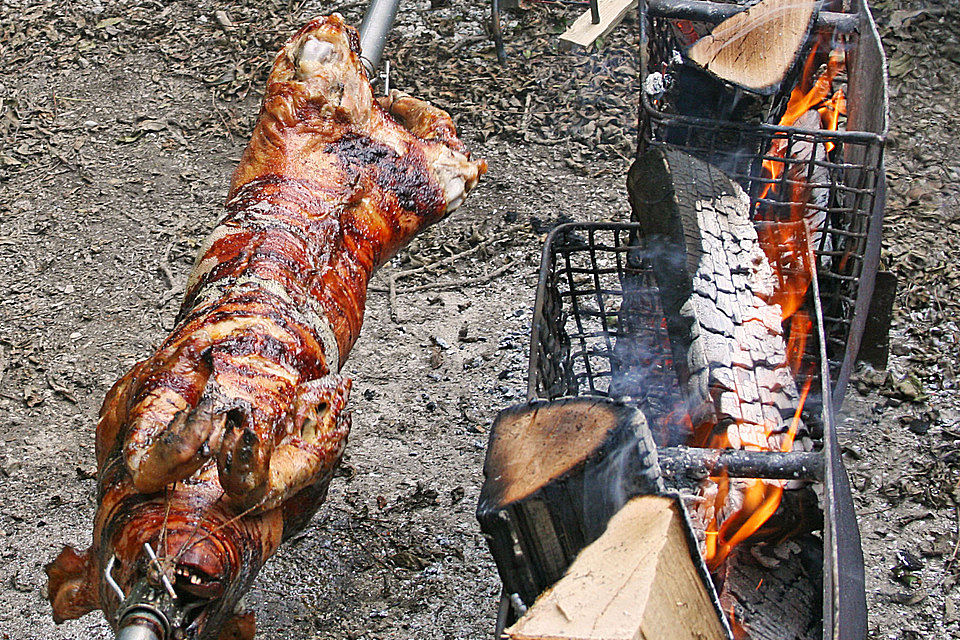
point(555, 473)
point(727, 339)
point(756, 48)
point(640, 579)
point(773, 591)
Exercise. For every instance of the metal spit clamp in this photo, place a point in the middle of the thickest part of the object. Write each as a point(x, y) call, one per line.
point(377, 21)
point(151, 610)
point(379, 77)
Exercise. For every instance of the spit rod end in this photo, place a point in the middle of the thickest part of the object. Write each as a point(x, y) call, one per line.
point(143, 623)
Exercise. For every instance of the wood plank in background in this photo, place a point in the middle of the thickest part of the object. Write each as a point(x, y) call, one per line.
point(583, 32)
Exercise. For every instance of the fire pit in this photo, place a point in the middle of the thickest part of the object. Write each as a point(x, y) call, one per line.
point(580, 345)
point(609, 322)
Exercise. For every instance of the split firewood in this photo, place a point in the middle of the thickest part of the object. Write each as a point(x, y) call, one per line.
point(639, 580)
point(715, 283)
point(755, 49)
point(555, 472)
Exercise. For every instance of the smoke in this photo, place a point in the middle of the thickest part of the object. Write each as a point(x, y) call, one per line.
point(643, 368)
point(629, 469)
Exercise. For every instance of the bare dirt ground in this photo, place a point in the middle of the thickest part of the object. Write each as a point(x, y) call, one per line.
point(119, 126)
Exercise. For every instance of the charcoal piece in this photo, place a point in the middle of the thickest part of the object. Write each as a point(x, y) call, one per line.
point(775, 590)
point(772, 417)
point(722, 378)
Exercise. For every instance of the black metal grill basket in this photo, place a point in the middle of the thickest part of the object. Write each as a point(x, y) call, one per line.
point(843, 187)
point(593, 279)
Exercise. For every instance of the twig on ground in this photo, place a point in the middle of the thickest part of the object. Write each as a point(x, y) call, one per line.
point(63, 391)
point(456, 284)
point(525, 120)
point(956, 547)
point(223, 121)
point(466, 282)
point(450, 259)
point(172, 289)
point(164, 264)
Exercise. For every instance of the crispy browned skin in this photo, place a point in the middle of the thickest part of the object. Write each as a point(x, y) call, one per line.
point(330, 187)
point(224, 441)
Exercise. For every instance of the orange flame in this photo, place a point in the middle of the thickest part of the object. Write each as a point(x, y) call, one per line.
point(800, 325)
point(830, 114)
point(786, 244)
point(795, 424)
point(760, 501)
point(711, 542)
point(801, 101)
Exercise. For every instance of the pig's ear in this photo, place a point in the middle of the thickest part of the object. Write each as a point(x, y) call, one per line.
point(71, 587)
point(239, 627)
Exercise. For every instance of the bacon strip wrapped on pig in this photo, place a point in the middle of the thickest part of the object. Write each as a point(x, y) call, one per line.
point(223, 442)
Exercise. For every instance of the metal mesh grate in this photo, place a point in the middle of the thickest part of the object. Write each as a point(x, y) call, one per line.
point(599, 328)
point(576, 321)
point(837, 188)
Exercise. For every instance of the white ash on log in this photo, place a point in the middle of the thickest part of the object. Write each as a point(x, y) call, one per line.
point(714, 279)
point(641, 580)
point(555, 472)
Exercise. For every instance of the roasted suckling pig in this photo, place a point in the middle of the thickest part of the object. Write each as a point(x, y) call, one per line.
point(222, 443)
